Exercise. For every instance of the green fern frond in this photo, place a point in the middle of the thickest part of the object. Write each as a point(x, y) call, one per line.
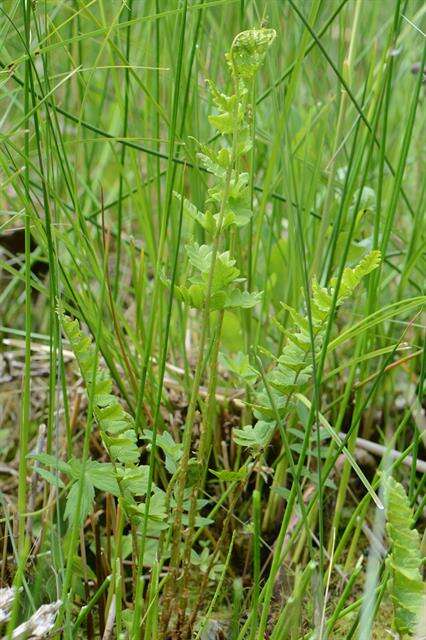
point(225, 280)
point(294, 368)
point(407, 590)
point(116, 425)
point(118, 434)
point(228, 201)
point(248, 51)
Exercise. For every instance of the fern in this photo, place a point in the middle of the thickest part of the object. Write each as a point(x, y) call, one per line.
point(256, 437)
point(248, 52)
point(294, 367)
point(351, 278)
point(122, 475)
point(116, 425)
point(228, 202)
point(282, 386)
point(213, 281)
point(407, 591)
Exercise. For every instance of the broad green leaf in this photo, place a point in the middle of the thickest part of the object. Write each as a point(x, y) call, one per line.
point(157, 509)
point(102, 476)
point(255, 437)
point(135, 480)
point(232, 334)
point(72, 513)
point(51, 461)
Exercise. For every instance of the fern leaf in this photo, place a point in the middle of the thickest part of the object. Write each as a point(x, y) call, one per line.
point(408, 591)
point(256, 437)
point(352, 277)
point(242, 299)
point(116, 425)
point(294, 368)
point(248, 51)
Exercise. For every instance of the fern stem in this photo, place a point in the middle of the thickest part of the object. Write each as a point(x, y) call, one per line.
point(189, 422)
point(203, 455)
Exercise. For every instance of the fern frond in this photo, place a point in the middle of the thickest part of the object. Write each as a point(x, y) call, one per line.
point(248, 51)
point(116, 425)
point(228, 200)
point(294, 368)
point(118, 434)
point(408, 590)
point(225, 280)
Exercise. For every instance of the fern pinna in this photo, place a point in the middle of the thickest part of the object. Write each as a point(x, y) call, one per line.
point(407, 588)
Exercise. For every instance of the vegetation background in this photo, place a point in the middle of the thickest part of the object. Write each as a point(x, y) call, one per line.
point(185, 473)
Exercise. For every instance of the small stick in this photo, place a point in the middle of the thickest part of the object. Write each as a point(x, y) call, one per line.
point(109, 627)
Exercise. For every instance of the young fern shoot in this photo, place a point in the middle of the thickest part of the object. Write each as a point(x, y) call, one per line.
point(215, 283)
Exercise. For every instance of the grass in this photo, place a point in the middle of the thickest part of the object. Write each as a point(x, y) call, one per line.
point(206, 452)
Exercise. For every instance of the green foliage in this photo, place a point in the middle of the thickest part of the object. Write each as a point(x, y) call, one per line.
point(239, 365)
point(351, 278)
point(98, 106)
point(248, 51)
point(407, 590)
point(256, 437)
point(214, 275)
point(205, 562)
point(172, 450)
point(72, 512)
point(231, 476)
point(231, 110)
point(222, 283)
point(123, 476)
point(116, 425)
point(294, 367)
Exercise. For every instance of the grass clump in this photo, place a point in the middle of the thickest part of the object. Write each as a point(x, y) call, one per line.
point(212, 354)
